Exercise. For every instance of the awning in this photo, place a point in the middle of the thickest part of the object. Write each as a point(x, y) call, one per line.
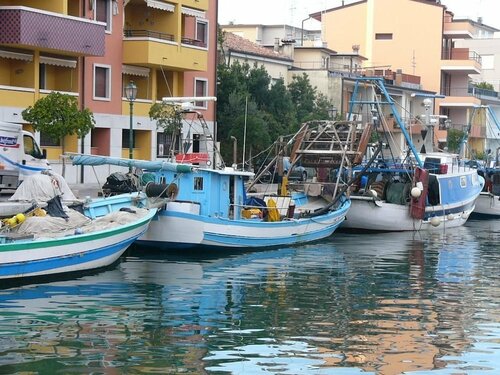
point(16, 55)
point(160, 5)
point(193, 12)
point(58, 62)
point(135, 70)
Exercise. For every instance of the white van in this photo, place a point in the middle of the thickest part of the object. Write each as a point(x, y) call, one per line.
point(20, 155)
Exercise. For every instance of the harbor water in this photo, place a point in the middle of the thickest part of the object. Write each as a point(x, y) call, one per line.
point(392, 303)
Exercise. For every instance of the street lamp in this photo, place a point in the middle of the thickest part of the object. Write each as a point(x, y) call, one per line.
point(130, 94)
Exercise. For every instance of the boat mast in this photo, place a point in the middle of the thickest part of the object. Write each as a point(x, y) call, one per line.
point(379, 83)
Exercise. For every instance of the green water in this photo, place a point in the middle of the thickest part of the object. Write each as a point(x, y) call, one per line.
point(381, 304)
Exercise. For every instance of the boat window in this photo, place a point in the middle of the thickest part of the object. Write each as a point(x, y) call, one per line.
point(463, 181)
point(163, 180)
point(198, 183)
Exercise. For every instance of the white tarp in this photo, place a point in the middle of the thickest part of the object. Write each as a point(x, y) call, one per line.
point(42, 187)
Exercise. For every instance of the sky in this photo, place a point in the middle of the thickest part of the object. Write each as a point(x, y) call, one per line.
point(293, 12)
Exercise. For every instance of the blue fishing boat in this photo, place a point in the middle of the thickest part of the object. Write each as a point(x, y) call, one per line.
point(209, 207)
point(206, 203)
point(51, 238)
point(427, 190)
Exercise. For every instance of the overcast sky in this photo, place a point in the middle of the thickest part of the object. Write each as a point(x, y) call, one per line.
point(292, 12)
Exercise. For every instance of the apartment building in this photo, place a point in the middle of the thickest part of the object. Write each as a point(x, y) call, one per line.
point(92, 49)
point(272, 35)
point(419, 38)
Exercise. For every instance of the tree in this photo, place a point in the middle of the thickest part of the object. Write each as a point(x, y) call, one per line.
point(454, 139)
point(57, 115)
point(169, 117)
point(303, 96)
point(484, 85)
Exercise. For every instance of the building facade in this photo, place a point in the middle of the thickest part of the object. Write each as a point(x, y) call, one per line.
point(92, 49)
point(420, 38)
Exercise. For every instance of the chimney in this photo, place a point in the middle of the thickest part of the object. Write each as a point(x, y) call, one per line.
point(276, 45)
point(355, 49)
point(288, 48)
point(398, 77)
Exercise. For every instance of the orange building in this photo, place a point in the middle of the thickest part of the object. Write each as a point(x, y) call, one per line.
point(416, 37)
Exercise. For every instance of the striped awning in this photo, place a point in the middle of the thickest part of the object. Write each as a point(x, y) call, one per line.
point(193, 12)
point(16, 55)
point(135, 70)
point(58, 62)
point(160, 5)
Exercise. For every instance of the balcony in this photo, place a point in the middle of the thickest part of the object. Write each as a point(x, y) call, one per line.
point(459, 97)
point(460, 60)
point(485, 95)
point(458, 30)
point(52, 32)
point(196, 4)
point(151, 48)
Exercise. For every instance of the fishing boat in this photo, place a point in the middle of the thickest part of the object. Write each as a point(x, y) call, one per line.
point(425, 190)
point(488, 203)
point(52, 238)
point(208, 204)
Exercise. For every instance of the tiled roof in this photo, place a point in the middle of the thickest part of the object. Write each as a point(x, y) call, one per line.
point(235, 43)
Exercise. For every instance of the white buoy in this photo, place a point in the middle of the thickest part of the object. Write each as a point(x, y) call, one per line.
point(416, 192)
point(451, 217)
point(435, 221)
point(373, 193)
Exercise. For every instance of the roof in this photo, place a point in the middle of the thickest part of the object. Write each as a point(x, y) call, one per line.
point(317, 15)
point(235, 43)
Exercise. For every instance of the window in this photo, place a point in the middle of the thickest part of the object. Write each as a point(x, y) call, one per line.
point(202, 32)
point(43, 76)
point(45, 140)
point(488, 61)
point(383, 36)
point(200, 89)
point(198, 183)
point(103, 12)
point(31, 148)
point(166, 143)
point(102, 82)
point(125, 138)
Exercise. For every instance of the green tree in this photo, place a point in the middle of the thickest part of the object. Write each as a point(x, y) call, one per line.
point(484, 85)
point(57, 115)
point(303, 97)
point(168, 117)
point(454, 139)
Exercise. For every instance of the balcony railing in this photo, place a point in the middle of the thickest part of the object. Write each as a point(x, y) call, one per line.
point(194, 42)
point(479, 92)
point(473, 92)
point(460, 54)
point(148, 34)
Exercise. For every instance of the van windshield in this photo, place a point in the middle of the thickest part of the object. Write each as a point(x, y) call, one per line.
point(31, 147)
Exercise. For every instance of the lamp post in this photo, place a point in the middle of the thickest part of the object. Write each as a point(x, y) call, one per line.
point(130, 94)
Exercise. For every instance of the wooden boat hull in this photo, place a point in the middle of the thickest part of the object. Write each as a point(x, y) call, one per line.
point(79, 252)
point(184, 229)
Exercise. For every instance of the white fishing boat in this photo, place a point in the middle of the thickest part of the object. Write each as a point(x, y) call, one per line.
point(430, 190)
point(488, 203)
point(51, 238)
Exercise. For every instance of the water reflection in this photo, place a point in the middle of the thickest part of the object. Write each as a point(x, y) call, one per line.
point(385, 304)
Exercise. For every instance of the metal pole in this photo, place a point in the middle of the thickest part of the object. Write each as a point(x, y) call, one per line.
point(131, 135)
point(245, 131)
